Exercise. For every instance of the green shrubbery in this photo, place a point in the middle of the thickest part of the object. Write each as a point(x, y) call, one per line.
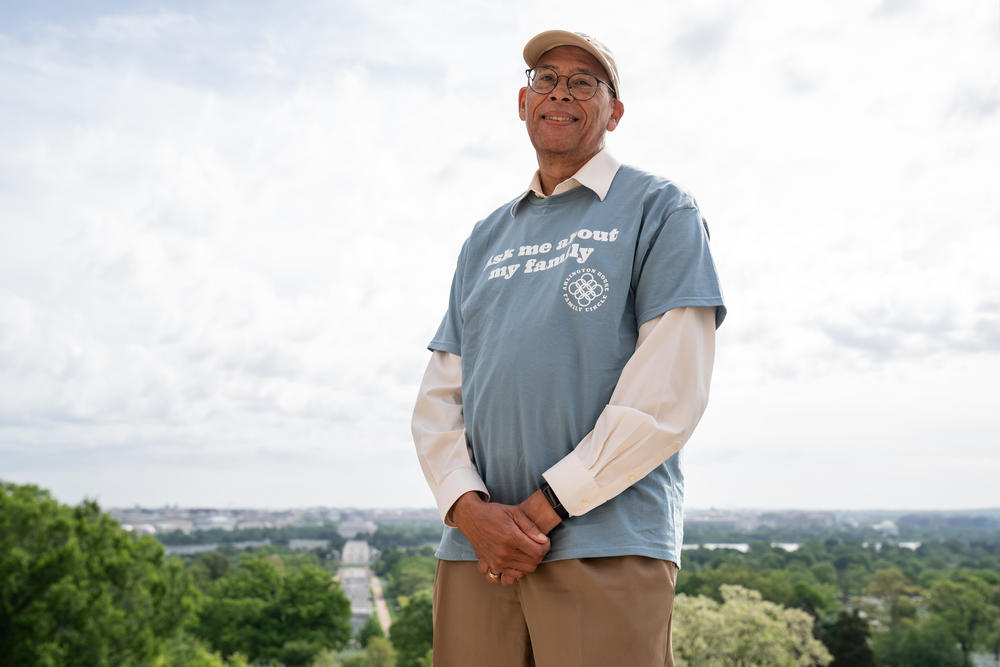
point(945, 594)
point(76, 589)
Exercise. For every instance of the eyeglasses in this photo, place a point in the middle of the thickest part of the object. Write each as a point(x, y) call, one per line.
point(582, 87)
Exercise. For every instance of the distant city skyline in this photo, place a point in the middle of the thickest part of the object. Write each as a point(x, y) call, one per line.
point(227, 230)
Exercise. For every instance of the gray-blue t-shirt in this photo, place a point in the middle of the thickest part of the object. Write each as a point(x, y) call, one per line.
point(544, 310)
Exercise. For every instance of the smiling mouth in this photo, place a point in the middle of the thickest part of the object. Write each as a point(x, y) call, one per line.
point(559, 118)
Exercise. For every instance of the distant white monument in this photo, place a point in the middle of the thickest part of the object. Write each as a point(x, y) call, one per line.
point(356, 552)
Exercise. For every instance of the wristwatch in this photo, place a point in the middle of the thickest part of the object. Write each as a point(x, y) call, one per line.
point(553, 499)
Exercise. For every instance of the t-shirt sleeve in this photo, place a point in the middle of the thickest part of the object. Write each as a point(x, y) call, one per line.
point(676, 269)
point(449, 334)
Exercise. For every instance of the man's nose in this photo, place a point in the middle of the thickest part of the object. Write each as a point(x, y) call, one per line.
point(556, 93)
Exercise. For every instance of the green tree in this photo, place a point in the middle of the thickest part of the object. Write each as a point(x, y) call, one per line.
point(743, 630)
point(326, 658)
point(816, 599)
point(380, 653)
point(824, 573)
point(795, 587)
point(406, 570)
point(925, 644)
point(280, 535)
point(268, 611)
point(963, 607)
point(184, 650)
point(299, 652)
point(896, 593)
point(991, 634)
point(209, 568)
point(410, 579)
point(852, 581)
point(387, 559)
point(77, 589)
point(414, 535)
point(409, 574)
point(371, 628)
point(355, 659)
point(847, 640)
point(412, 632)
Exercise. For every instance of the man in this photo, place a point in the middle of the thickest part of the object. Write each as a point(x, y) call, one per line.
point(573, 363)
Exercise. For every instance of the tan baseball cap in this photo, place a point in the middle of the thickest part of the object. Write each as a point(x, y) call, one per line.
point(550, 39)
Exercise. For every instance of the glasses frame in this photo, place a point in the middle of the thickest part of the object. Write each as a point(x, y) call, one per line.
point(569, 87)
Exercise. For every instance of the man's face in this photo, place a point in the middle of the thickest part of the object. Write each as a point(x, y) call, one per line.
point(561, 126)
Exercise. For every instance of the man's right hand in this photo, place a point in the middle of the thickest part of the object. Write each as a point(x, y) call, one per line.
point(502, 535)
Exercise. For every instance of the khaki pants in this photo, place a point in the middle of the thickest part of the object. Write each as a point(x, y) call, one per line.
point(590, 612)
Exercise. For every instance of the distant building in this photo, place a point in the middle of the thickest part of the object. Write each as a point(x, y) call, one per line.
point(356, 552)
point(245, 525)
point(216, 521)
point(887, 527)
point(174, 525)
point(308, 545)
point(405, 515)
point(353, 527)
point(797, 519)
point(189, 549)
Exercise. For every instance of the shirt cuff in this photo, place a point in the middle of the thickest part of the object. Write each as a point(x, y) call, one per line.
point(455, 484)
point(574, 485)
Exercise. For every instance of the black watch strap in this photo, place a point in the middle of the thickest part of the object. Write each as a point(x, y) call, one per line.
point(553, 499)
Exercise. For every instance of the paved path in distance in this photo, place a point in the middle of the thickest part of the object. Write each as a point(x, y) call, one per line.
point(381, 608)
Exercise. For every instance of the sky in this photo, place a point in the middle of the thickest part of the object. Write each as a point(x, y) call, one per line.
point(227, 232)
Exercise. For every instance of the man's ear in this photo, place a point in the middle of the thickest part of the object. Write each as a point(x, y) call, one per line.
point(522, 102)
point(617, 111)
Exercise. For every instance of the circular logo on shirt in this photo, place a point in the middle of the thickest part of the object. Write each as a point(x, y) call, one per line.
point(585, 290)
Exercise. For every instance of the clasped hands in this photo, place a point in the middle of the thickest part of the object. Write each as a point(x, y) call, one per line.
point(509, 540)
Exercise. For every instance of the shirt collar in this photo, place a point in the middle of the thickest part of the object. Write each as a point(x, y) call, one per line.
point(596, 175)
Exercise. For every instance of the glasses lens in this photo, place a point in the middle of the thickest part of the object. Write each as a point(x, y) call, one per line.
point(582, 86)
point(542, 79)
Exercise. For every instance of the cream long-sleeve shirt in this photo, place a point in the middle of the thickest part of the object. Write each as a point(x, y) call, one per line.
point(657, 402)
